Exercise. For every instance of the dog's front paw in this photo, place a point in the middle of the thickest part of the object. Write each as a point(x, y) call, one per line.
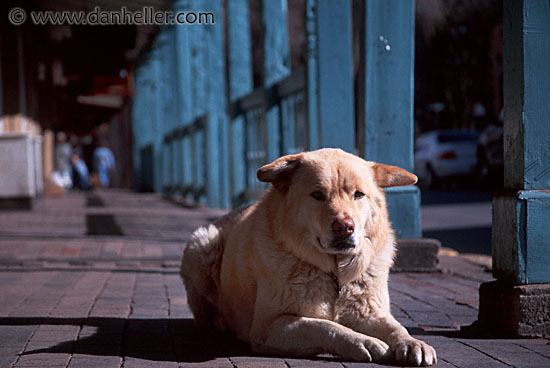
point(366, 349)
point(416, 352)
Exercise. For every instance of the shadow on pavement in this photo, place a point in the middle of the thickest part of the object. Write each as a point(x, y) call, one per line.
point(94, 201)
point(102, 224)
point(155, 339)
point(150, 339)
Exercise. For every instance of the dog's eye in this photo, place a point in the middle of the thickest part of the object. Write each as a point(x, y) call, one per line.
point(358, 194)
point(318, 195)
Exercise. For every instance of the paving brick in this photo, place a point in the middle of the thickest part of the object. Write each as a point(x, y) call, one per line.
point(313, 363)
point(524, 360)
point(15, 336)
point(102, 348)
point(130, 362)
point(459, 354)
point(431, 318)
point(541, 346)
point(55, 332)
point(444, 364)
point(258, 362)
point(405, 302)
point(213, 363)
point(94, 361)
point(364, 365)
point(17, 287)
point(8, 355)
point(43, 360)
point(508, 352)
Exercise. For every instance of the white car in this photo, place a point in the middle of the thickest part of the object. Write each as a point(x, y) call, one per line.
point(444, 153)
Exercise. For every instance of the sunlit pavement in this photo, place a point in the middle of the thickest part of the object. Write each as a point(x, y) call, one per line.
point(91, 280)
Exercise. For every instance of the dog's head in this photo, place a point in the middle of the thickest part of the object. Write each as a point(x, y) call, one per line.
point(334, 201)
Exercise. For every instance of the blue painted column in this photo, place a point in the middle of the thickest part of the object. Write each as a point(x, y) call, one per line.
point(521, 240)
point(157, 103)
point(195, 177)
point(143, 121)
point(137, 119)
point(276, 63)
point(169, 111)
point(516, 304)
point(240, 83)
point(330, 74)
point(184, 95)
point(217, 132)
point(386, 114)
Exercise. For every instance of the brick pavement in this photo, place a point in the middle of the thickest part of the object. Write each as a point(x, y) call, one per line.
point(91, 280)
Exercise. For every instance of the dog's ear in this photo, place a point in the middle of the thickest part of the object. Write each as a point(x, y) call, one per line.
point(279, 172)
point(392, 176)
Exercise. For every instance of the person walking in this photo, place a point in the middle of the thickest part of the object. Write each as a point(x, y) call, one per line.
point(104, 163)
point(63, 168)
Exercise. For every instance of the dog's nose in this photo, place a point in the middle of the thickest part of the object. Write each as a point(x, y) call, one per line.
point(343, 227)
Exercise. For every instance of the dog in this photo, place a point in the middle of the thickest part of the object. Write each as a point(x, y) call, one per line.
point(304, 271)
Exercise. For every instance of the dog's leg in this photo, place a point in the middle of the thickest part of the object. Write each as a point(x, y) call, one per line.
point(301, 336)
point(407, 348)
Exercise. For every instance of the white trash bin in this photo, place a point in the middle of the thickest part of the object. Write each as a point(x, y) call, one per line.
point(20, 170)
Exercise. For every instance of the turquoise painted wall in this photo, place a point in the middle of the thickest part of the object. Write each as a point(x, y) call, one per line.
point(192, 74)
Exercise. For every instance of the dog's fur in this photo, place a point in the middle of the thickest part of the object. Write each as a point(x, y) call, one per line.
point(286, 277)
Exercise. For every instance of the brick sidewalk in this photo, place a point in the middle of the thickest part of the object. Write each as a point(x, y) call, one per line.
point(91, 280)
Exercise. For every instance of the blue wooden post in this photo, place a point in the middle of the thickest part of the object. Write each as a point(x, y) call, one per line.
point(521, 245)
point(288, 126)
point(521, 242)
point(276, 63)
point(137, 120)
point(217, 125)
point(184, 95)
point(387, 107)
point(169, 112)
point(157, 107)
point(330, 74)
point(143, 125)
point(240, 83)
point(199, 72)
point(239, 49)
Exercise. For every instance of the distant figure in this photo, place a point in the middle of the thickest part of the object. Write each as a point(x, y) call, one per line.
point(104, 163)
point(81, 175)
point(63, 153)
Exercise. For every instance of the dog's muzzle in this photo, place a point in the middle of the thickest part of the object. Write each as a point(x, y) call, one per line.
point(342, 234)
point(343, 244)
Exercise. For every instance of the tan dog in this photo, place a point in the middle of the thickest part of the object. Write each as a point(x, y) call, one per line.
point(304, 271)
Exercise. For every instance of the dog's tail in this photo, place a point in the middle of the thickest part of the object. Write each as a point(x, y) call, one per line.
point(200, 270)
